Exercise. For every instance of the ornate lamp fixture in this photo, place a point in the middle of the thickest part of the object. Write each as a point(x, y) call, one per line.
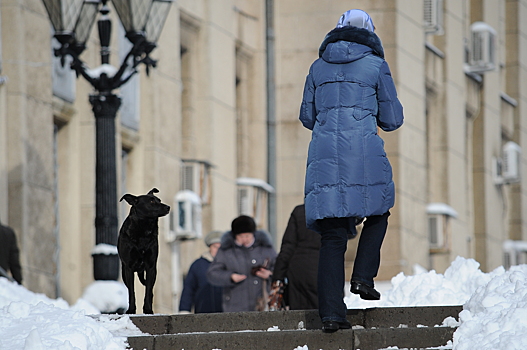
point(72, 21)
point(142, 21)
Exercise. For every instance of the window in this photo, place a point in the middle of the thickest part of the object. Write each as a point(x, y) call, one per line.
point(190, 84)
point(1, 82)
point(436, 232)
point(245, 132)
point(195, 177)
point(130, 97)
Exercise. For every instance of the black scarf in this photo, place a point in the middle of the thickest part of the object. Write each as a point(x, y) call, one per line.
point(353, 34)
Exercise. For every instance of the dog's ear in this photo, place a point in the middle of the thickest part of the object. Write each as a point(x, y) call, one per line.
point(130, 198)
point(152, 191)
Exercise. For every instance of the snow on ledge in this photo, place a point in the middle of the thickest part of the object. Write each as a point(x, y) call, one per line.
point(103, 248)
point(441, 209)
point(249, 181)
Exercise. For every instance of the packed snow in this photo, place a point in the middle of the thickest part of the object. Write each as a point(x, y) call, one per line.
point(31, 321)
point(494, 314)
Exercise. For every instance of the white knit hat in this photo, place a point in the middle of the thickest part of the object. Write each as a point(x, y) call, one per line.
point(356, 18)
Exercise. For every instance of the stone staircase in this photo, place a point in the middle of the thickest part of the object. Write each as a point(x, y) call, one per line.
point(373, 329)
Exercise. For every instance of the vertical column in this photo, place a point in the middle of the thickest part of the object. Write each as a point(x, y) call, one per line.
point(105, 266)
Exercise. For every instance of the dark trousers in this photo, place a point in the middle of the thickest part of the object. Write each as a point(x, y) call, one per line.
point(334, 240)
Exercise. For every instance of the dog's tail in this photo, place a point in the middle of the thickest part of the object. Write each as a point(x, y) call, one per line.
point(141, 275)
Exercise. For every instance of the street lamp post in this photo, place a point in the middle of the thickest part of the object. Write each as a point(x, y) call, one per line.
point(72, 21)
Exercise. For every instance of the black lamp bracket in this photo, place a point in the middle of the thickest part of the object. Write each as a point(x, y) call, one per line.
point(140, 53)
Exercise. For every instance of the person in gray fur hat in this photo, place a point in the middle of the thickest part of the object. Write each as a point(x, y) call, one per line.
point(244, 264)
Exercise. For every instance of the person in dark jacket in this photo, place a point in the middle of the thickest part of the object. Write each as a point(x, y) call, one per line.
point(349, 93)
point(244, 261)
point(197, 291)
point(298, 262)
point(9, 253)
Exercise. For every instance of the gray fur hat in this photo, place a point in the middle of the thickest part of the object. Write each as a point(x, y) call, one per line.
point(213, 237)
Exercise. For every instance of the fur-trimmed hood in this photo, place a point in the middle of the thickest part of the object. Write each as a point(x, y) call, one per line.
point(261, 238)
point(353, 35)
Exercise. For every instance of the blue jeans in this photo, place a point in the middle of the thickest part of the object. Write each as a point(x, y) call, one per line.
point(334, 241)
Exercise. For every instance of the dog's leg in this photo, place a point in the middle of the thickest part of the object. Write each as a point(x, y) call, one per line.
point(151, 275)
point(128, 279)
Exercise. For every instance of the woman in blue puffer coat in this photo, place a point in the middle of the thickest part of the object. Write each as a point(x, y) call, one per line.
point(348, 94)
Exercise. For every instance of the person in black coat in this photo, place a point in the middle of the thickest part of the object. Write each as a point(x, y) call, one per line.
point(197, 291)
point(9, 253)
point(298, 262)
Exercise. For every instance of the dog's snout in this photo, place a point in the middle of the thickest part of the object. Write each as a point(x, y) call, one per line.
point(165, 209)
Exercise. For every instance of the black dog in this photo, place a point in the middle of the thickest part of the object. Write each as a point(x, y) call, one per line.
point(138, 247)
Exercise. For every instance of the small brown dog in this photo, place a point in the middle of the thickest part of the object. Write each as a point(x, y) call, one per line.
point(138, 245)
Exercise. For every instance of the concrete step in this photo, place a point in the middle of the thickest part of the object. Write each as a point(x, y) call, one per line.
point(375, 328)
point(291, 320)
point(351, 339)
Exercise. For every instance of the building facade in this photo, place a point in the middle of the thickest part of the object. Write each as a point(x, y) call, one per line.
point(198, 128)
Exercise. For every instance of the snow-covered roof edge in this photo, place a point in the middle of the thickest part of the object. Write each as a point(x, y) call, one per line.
point(250, 181)
point(442, 209)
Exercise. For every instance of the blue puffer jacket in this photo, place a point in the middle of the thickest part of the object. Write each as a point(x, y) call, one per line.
point(348, 93)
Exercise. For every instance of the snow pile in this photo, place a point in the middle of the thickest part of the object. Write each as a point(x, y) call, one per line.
point(45, 326)
point(495, 317)
point(429, 288)
point(11, 291)
point(107, 296)
point(30, 321)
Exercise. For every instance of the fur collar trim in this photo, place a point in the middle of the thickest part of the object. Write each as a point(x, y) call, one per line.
point(261, 238)
point(353, 34)
point(207, 256)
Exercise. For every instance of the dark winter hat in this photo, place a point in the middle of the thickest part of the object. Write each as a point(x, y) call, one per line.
point(243, 224)
point(213, 237)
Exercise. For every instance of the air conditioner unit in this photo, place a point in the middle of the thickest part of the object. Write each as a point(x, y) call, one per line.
point(482, 52)
point(506, 169)
point(439, 215)
point(433, 16)
point(185, 217)
point(511, 162)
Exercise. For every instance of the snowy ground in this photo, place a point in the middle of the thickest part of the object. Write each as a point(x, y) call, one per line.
point(494, 315)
